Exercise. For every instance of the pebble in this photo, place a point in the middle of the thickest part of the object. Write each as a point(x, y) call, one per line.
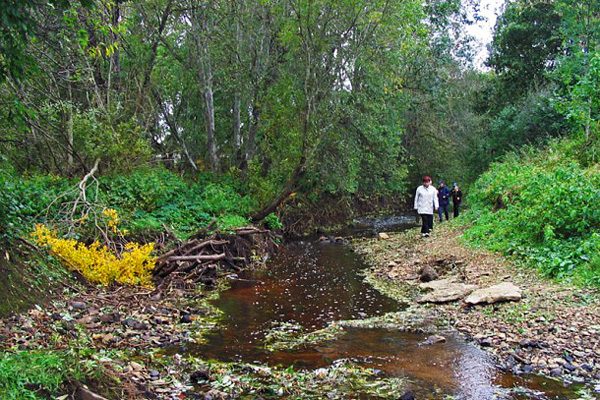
point(78, 305)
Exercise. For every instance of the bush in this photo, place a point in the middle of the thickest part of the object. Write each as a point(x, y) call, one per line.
point(97, 263)
point(541, 206)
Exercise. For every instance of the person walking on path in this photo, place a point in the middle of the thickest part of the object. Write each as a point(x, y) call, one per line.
point(426, 202)
point(456, 199)
point(444, 200)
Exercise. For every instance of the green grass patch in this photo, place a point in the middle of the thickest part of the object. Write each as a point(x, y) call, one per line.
point(41, 374)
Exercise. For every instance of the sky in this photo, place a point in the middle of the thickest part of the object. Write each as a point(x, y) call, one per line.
point(483, 30)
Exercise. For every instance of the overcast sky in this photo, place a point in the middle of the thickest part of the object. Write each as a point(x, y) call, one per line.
point(484, 29)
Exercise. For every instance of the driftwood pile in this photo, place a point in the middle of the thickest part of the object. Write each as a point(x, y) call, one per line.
point(201, 259)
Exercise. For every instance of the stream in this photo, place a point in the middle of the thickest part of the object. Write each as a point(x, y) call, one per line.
point(312, 283)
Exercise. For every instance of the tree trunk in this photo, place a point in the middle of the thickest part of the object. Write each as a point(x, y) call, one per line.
point(209, 107)
point(290, 187)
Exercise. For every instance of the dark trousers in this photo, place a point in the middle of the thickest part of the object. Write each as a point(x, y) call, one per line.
point(427, 225)
point(445, 210)
point(456, 209)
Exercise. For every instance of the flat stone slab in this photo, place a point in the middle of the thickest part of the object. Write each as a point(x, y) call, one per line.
point(505, 291)
point(450, 292)
point(439, 283)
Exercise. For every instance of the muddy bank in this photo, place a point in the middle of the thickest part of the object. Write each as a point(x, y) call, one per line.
point(553, 330)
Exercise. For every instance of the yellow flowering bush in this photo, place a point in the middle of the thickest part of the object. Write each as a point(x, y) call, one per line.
point(112, 219)
point(96, 262)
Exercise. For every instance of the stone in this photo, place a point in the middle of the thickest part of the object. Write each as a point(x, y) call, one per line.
point(428, 274)
point(78, 305)
point(186, 319)
point(569, 367)
point(383, 236)
point(200, 375)
point(451, 292)
point(439, 283)
point(134, 324)
point(433, 339)
point(555, 372)
point(505, 291)
point(408, 396)
point(527, 369)
point(84, 393)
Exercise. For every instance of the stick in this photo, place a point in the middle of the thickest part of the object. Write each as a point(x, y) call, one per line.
point(214, 257)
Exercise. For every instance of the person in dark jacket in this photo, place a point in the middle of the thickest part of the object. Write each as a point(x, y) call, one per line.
point(456, 199)
point(443, 200)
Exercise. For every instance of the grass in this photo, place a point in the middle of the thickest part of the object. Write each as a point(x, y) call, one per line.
point(41, 374)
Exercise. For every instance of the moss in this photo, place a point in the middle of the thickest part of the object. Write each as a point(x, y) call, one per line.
point(392, 289)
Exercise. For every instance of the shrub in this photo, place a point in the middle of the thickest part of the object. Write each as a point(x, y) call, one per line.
point(97, 263)
point(541, 206)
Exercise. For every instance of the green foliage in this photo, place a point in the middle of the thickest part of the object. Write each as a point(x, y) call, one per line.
point(148, 201)
point(272, 222)
point(541, 206)
point(25, 200)
point(527, 40)
point(38, 375)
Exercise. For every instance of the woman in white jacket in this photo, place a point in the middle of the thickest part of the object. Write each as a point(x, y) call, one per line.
point(426, 203)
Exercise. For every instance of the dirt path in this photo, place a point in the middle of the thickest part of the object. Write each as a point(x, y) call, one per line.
point(553, 330)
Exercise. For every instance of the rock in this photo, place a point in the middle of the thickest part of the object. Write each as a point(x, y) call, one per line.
point(569, 367)
point(439, 283)
point(186, 319)
point(84, 393)
point(154, 374)
point(134, 324)
point(56, 316)
point(587, 367)
point(109, 318)
point(383, 236)
point(78, 305)
point(452, 292)
point(427, 274)
point(408, 396)
point(392, 264)
point(433, 339)
point(555, 372)
point(505, 291)
point(527, 369)
point(531, 343)
point(200, 375)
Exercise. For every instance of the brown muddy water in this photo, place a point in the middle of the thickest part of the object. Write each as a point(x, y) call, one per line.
point(312, 284)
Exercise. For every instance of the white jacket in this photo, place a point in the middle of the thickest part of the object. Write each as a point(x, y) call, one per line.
point(426, 200)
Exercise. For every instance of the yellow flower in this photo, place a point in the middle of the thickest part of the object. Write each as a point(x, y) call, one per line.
point(96, 262)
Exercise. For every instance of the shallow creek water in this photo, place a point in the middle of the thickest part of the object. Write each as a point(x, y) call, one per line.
point(312, 284)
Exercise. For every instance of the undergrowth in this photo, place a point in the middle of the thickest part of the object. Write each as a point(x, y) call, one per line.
point(542, 208)
point(41, 374)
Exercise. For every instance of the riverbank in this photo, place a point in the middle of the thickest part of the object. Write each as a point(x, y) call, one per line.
point(553, 330)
